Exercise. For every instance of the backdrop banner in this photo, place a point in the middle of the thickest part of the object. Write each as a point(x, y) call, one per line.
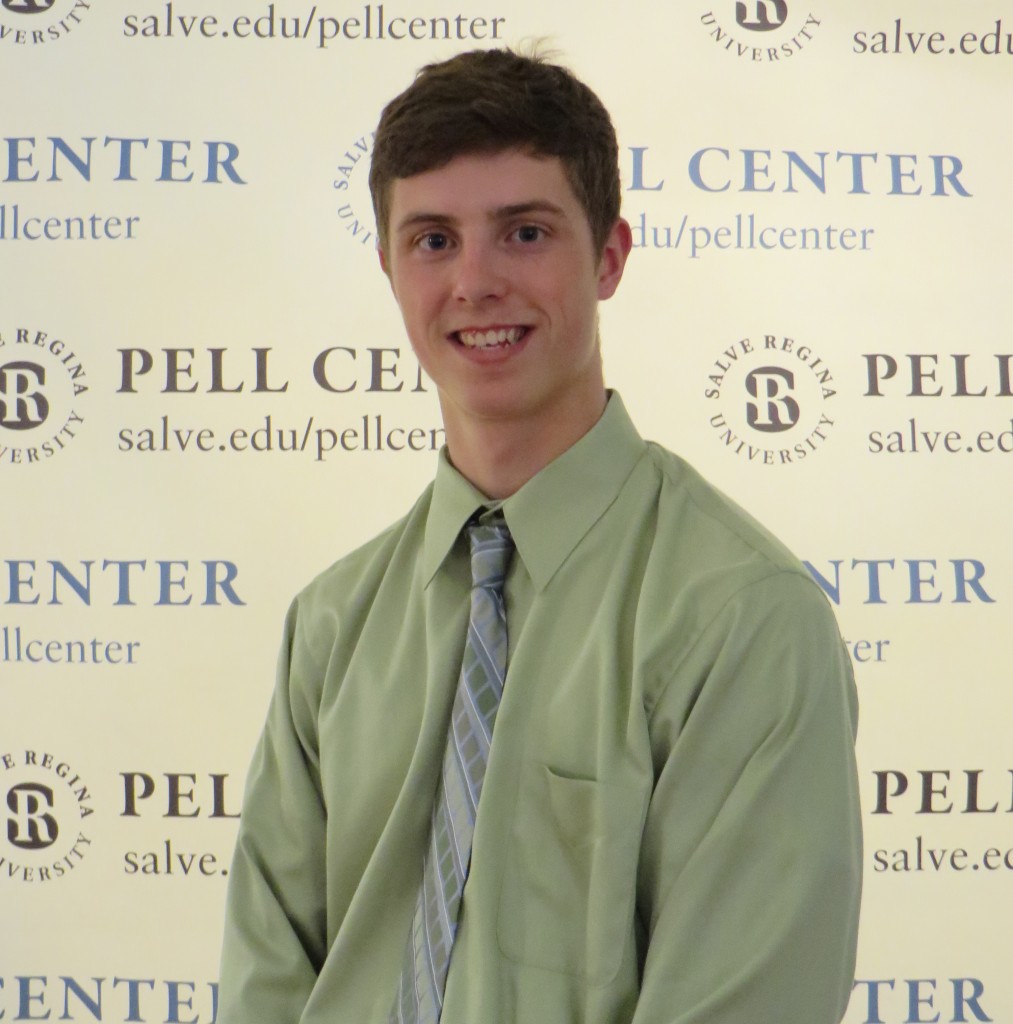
point(206, 397)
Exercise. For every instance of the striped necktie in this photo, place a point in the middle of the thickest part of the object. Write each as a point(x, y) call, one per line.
point(434, 925)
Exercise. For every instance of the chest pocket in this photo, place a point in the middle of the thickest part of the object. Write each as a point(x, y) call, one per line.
point(570, 877)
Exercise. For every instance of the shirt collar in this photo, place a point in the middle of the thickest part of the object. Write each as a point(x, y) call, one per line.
point(553, 511)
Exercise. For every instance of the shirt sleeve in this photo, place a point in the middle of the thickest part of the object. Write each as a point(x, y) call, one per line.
point(275, 927)
point(750, 872)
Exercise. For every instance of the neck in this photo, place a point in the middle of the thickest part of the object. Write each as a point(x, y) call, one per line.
point(499, 456)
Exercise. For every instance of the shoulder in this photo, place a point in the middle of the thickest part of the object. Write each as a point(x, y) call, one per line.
point(714, 567)
point(726, 531)
point(709, 532)
point(739, 602)
point(338, 598)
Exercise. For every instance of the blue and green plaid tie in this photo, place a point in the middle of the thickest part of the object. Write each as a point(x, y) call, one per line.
point(427, 953)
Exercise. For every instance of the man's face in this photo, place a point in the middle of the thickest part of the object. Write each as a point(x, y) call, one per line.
point(491, 261)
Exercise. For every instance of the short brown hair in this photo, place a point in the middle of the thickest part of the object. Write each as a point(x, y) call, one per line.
point(486, 101)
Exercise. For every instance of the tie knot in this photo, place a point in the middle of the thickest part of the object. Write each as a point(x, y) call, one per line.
point(491, 548)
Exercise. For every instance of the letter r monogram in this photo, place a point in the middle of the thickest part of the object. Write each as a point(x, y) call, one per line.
point(773, 411)
point(761, 15)
point(31, 828)
point(21, 409)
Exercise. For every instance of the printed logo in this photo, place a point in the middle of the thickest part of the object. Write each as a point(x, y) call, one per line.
point(41, 383)
point(351, 181)
point(49, 20)
point(31, 828)
point(773, 408)
point(762, 30)
point(46, 806)
point(23, 404)
point(761, 15)
point(28, 6)
point(773, 394)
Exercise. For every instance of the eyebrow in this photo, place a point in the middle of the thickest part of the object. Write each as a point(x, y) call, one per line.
point(499, 213)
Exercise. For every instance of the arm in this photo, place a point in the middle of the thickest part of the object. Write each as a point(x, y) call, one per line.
point(750, 870)
point(275, 934)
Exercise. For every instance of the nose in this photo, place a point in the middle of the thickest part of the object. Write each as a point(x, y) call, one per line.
point(479, 273)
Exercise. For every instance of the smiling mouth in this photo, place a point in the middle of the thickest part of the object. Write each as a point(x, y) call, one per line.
point(493, 337)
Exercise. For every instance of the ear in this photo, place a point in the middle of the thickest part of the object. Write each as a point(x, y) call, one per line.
point(385, 267)
point(613, 258)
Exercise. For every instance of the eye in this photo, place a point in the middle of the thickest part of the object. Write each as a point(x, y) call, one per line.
point(529, 233)
point(433, 241)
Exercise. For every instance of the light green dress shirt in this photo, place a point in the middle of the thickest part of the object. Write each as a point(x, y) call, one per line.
point(669, 828)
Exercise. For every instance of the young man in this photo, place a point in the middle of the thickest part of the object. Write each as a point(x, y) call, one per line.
point(642, 778)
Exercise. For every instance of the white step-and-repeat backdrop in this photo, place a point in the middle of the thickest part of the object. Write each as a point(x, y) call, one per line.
point(206, 397)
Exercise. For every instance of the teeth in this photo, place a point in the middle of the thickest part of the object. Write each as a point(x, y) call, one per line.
point(486, 339)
